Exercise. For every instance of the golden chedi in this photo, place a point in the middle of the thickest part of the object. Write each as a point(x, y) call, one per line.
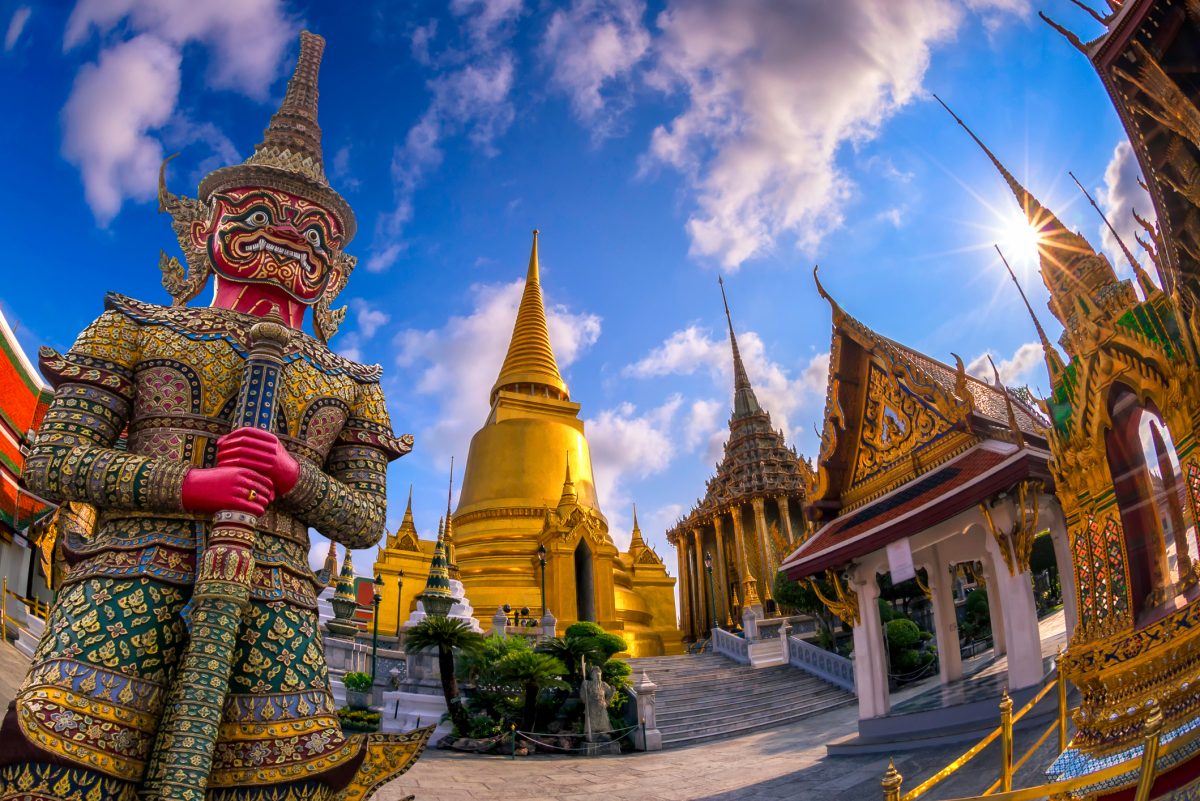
point(528, 484)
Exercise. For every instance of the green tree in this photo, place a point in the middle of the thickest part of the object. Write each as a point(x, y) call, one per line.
point(447, 636)
point(801, 597)
point(532, 672)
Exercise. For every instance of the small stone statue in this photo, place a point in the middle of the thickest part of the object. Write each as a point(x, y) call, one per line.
point(595, 695)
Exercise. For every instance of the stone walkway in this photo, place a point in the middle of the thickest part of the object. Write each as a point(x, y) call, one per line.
point(784, 763)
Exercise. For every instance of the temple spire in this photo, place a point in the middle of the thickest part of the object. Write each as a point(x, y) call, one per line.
point(1071, 269)
point(569, 496)
point(1054, 362)
point(744, 401)
point(437, 598)
point(636, 543)
point(1144, 279)
point(529, 366)
point(451, 562)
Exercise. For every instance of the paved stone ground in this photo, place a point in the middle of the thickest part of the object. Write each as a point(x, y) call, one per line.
point(784, 763)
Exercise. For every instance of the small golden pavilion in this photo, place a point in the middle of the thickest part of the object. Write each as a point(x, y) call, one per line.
point(528, 495)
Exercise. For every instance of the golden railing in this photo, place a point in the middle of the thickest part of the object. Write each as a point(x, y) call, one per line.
point(1144, 765)
point(892, 779)
point(35, 606)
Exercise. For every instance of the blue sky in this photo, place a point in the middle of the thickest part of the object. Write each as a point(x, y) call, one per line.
point(656, 145)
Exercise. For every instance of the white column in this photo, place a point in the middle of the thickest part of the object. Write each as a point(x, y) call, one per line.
point(945, 618)
point(870, 664)
point(995, 608)
point(1021, 634)
point(1052, 515)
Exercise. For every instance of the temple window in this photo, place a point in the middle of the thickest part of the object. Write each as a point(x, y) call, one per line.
point(1160, 535)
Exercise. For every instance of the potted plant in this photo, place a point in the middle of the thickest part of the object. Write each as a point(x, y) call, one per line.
point(358, 690)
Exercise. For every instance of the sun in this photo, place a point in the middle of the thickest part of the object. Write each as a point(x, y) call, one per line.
point(1018, 239)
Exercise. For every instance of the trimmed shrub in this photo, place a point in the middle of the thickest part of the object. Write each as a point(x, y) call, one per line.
point(357, 682)
point(902, 633)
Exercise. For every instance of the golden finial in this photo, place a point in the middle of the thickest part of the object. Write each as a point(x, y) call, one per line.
point(1066, 34)
point(530, 359)
point(1054, 362)
point(1018, 435)
point(1147, 284)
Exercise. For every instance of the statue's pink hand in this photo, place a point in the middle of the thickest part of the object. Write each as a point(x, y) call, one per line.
point(262, 451)
point(227, 488)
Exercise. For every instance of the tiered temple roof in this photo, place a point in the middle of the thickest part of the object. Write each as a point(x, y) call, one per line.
point(24, 398)
point(758, 463)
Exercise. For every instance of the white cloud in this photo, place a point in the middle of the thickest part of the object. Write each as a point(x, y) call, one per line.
point(114, 104)
point(757, 142)
point(16, 26)
point(120, 105)
point(1015, 371)
point(781, 391)
point(369, 318)
point(457, 363)
point(470, 96)
point(592, 46)
point(248, 37)
point(626, 445)
point(1119, 196)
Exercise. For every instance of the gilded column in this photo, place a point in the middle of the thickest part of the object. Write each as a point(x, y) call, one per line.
point(764, 548)
point(786, 517)
point(749, 585)
point(723, 605)
point(705, 606)
point(685, 607)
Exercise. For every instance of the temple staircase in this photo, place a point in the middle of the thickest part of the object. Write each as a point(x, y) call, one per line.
point(704, 697)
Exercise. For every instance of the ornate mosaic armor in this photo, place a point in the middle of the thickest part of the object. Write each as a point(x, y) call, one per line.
point(167, 379)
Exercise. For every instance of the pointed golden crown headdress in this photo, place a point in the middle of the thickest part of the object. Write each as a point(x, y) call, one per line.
point(289, 156)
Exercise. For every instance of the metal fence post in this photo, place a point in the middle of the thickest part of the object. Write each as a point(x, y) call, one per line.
point(891, 782)
point(1006, 742)
point(1062, 707)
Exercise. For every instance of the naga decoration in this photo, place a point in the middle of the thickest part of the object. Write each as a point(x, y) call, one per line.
point(182, 658)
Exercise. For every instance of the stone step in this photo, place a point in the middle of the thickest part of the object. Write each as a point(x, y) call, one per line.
point(789, 677)
point(708, 697)
point(733, 729)
point(776, 714)
point(736, 710)
point(745, 692)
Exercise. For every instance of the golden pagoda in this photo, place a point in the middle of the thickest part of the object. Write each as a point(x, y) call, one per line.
point(528, 484)
point(402, 562)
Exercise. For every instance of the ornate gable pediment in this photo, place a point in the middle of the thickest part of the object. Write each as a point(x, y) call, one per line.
point(895, 423)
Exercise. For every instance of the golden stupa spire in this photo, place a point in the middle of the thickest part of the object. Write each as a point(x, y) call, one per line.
point(448, 536)
point(529, 365)
point(1070, 267)
point(636, 542)
point(1054, 362)
point(745, 403)
point(569, 497)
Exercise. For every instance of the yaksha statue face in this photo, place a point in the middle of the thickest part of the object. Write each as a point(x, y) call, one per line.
point(267, 236)
point(271, 229)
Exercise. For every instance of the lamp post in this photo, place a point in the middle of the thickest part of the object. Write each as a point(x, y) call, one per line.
point(375, 621)
point(712, 595)
point(542, 561)
point(399, 604)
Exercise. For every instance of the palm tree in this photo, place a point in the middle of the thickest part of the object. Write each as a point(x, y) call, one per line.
point(571, 650)
point(533, 672)
point(447, 636)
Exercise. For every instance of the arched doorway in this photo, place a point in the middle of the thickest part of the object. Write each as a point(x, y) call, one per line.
point(585, 590)
point(1160, 535)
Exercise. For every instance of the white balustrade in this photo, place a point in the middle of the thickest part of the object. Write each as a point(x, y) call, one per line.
point(833, 668)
